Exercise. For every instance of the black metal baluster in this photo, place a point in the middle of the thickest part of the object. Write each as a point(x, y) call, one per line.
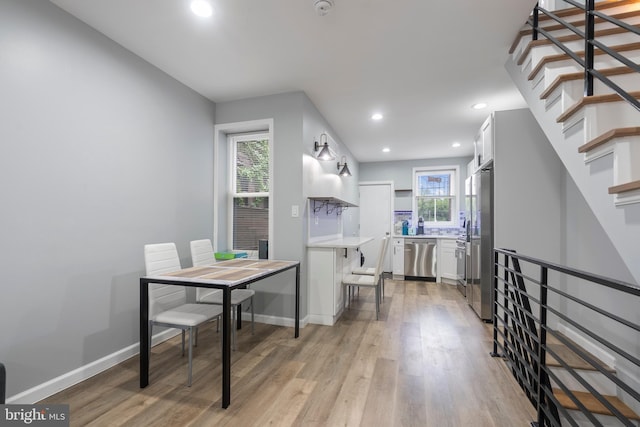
point(589, 22)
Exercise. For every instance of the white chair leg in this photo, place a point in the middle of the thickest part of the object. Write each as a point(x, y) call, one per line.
point(252, 318)
point(150, 335)
point(233, 327)
point(344, 296)
point(190, 354)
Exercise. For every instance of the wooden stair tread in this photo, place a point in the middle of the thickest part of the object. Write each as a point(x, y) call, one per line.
point(623, 188)
point(576, 23)
point(608, 136)
point(578, 75)
point(562, 13)
point(569, 357)
point(593, 405)
point(568, 38)
point(595, 99)
point(562, 56)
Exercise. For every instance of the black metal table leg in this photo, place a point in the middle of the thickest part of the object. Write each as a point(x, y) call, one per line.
point(144, 333)
point(226, 347)
point(296, 333)
point(239, 316)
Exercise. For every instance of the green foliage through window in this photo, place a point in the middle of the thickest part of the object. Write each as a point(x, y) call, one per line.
point(434, 193)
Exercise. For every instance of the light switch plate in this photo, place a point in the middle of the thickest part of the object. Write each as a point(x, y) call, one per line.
point(295, 211)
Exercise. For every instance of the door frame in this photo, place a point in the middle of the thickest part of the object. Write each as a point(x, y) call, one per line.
point(387, 263)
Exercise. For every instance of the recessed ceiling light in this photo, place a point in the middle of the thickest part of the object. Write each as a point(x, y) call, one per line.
point(455, 145)
point(376, 116)
point(201, 8)
point(386, 149)
point(479, 106)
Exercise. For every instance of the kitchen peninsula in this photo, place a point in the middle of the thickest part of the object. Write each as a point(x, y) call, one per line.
point(329, 260)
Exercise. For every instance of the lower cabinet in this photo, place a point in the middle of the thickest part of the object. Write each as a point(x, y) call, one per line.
point(398, 258)
point(326, 268)
point(447, 265)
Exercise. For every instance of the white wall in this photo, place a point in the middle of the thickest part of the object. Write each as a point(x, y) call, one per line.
point(101, 153)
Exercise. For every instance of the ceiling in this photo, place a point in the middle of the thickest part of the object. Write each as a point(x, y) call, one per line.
point(422, 64)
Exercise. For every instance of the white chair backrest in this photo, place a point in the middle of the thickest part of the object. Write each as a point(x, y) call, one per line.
point(202, 252)
point(380, 260)
point(163, 258)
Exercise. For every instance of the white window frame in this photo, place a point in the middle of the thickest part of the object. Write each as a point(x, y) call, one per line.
point(455, 179)
point(222, 227)
point(233, 151)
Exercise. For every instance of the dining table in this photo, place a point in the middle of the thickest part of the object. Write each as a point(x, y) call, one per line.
point(225, 275)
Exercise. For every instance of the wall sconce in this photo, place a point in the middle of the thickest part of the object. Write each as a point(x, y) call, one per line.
point(325, 152)
point(345, 169)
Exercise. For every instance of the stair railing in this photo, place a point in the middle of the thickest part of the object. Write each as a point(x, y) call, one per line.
point(530, 308)
point(586, 60)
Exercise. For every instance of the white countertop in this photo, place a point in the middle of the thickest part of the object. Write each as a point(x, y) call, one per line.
point(340, 242)
point(426, 236)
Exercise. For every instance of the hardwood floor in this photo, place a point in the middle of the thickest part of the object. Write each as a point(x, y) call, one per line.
point(425, 363)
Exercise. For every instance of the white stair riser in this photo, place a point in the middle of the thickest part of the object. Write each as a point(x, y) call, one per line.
point(559, 4)
point(569, 66)
point(596, 379)
point(626, 160)
point(524, 41)
point(539, 52)
point(600, 118)
point(573, 91)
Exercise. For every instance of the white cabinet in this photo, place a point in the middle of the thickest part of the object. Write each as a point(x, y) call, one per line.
point(398, 258)
point(447, 265)
point(483, 143)
point(326, 268)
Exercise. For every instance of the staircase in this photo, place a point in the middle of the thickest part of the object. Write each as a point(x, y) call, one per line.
point(597, 137)
point(561, 365)
point(549, 335)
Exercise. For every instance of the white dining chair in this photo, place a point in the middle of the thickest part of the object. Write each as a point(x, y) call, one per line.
point(202, 254)
point(168, 303)
point(360, 280)
point(370, 271)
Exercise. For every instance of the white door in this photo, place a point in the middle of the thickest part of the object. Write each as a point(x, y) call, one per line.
point(376, 204)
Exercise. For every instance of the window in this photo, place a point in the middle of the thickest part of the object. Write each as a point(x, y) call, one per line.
point(249, 190)
point(435, 196)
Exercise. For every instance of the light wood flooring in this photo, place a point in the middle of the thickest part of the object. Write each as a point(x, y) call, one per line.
point(424, 363)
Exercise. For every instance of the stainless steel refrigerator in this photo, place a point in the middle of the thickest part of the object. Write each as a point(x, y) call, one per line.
point(479, 206)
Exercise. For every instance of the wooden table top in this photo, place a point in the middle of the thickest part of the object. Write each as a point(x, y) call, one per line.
point(229, 272)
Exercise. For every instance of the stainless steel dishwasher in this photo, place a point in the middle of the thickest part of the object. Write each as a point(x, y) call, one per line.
point(420, 258)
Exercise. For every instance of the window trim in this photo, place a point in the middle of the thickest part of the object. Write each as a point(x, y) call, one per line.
point(455, 184)
point(222, 211)
point(232, 140)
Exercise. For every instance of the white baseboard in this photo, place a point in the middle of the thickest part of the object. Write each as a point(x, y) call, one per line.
point(55, 385)
point(275, 320)
point(592, 348)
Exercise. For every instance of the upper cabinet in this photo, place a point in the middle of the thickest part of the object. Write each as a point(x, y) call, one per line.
point(483, 144)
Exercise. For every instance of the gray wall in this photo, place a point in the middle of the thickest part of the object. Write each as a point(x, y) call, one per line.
point(275, 297)
point(529, 188)
point(101, 154)
point(539, 210)
point(295, 123)
point(401, 173)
